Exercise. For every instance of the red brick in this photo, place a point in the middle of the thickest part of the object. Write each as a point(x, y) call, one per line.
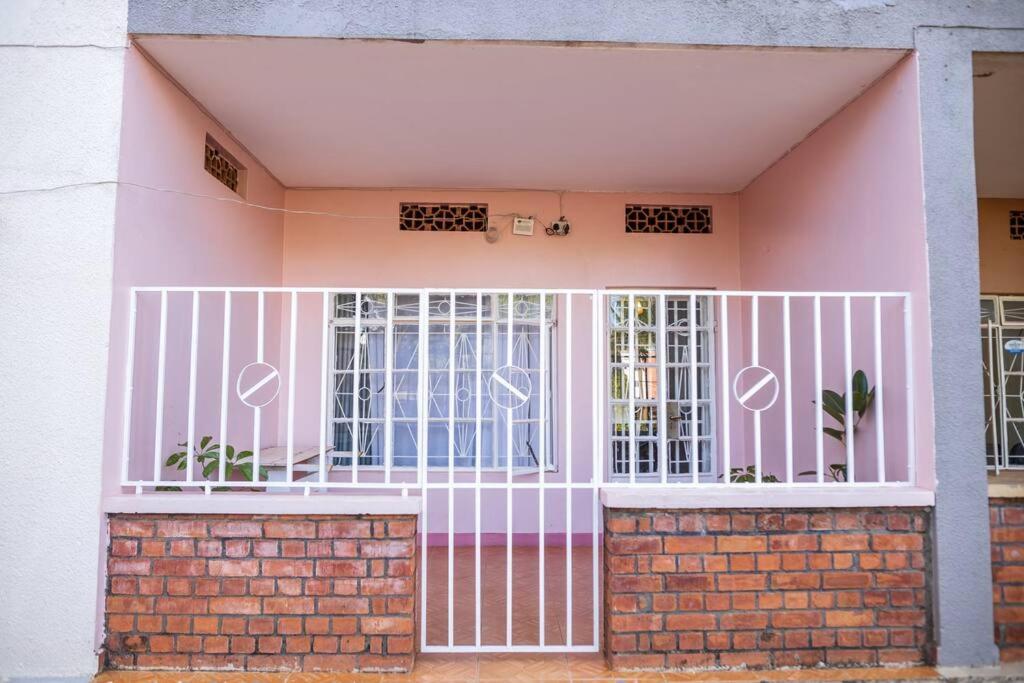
point(742, 582)
point(290, 567)
point(840, 618)
point(689, 544)
point(170, 528)
point(343, 606)
point(235, 605)
point(796, 581)
point(742, 544)
point(288, 605)
point(234, 567)
point(844, 542)
point(897, 542)
point(791, 542)
point(796, 619)
point(290, 529)
point(386, 548)
point(236, 529)
point(346, 568)
point(387, 625)
point(624, 623)
point(845, 580)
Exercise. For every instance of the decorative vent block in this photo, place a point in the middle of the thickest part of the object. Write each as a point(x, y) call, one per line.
point(675, 218)
point(443, 217)
point(223, 166)
point(1017, 225)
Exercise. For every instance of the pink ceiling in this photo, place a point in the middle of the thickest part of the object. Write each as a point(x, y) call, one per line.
point(323, 113)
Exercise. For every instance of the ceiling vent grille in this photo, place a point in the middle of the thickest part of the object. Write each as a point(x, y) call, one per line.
point(658, 218)
point(443, 217)
point(224, 167)
point(1017, 225)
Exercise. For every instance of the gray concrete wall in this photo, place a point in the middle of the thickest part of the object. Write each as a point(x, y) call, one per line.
point(823, 23)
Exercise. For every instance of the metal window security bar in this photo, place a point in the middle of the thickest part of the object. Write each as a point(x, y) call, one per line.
point(1002, 346)
point(477, 401)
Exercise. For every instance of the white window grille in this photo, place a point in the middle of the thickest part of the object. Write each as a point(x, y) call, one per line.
point(1002, 347)
point(528, 427)
point(674, 366)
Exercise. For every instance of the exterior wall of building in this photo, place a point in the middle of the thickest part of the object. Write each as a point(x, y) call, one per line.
point(1002, 258)
point(1006, 517)
point(766, 588)
point(844, 211)
point(197, 234)
point(61, 67)
point(259, 593)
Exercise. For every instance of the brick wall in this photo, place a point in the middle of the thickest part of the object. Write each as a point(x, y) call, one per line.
point(260, 592)
point(765, 588)
point(1007, 528)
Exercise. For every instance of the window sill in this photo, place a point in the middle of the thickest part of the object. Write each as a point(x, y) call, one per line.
point(770, 496)
point(261, 504)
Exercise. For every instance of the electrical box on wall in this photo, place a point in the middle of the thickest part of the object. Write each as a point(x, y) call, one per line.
point(522, 226)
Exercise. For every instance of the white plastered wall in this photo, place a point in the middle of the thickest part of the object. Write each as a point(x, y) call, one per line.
point(61, 74)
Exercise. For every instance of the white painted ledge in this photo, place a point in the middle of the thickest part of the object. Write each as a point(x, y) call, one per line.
point(768, 497)
point(261, 504)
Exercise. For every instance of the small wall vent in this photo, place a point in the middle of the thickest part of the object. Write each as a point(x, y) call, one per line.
point(224, 167)
point(1017, 225)
point(443, 217)
point(657, 218)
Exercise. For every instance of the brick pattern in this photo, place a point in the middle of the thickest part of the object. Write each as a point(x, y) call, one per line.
point(765, 588)
point(1006, 519)
point(261, 593)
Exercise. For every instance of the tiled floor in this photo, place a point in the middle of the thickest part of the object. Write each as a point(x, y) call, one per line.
point(525, 596)
point(515, 668)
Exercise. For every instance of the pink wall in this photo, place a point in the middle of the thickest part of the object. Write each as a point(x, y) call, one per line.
point(844, 211)
point(1002, 259)
point(321, 250)
point(172, 239)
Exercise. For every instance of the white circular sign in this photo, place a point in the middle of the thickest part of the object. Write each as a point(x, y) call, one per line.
point(756, 388)
point(1014, 345)
point(509, 386)
point(258, 384)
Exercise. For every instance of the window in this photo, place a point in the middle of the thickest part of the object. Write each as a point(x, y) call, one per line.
point(1017, 225)
point(680, 323)
point(527, 335)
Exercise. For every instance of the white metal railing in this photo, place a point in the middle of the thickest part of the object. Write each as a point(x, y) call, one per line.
point(439, 392)
point(1002, 336)
point(319, 389)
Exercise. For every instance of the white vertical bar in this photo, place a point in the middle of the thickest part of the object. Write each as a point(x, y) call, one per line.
point(129, 385)
point(726, 393)
point(631, 384)
point(787, 360)
point(1002, 397)
point(600, 386)
point(755, 359)
point(996, 440)
point(357, 353)
point(848, 369)
point(694, 419)
point(422, 408)
point(158, 436)
point(599, 342)
point(879, 402)
point(818, 427)
point(193, 360)
point(567, 411)
point(908, 354)
point(389, 386)
point(508, 479)
point(290, 454)
point(478, 454)
point(325, 346)
point(543, 454)
point(662, 359)
point(451, 469)
point(224, 386)
point(257, 411)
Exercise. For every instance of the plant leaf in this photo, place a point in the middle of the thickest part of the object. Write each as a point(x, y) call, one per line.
point(209, 468)
point(837, 434)
point(834, 404)
point(860, 383)
point(246, 470)
point(204, 441)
